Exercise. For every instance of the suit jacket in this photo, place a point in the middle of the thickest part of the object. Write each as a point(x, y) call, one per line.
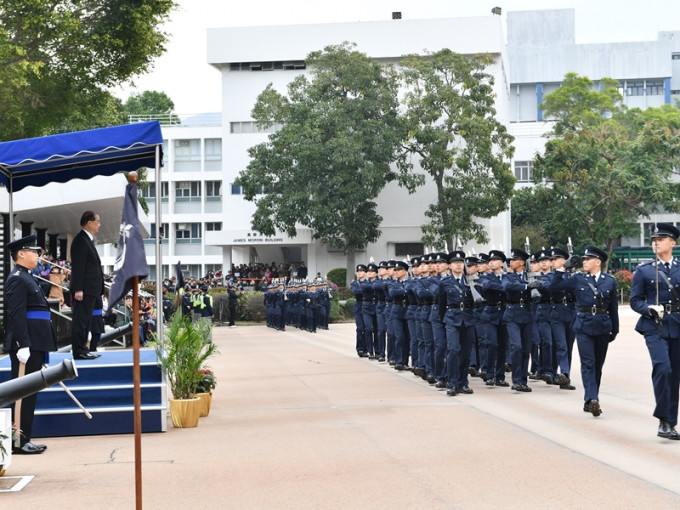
point(86, 268)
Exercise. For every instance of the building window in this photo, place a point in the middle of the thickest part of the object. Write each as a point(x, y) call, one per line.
point(215, 268)
point(524, 171)
point(188, 233)
point(408, 249)
point(213, 190)
point(187, 191)
point(149, 193)
point(655, 87)
point(246, 127)
point(635, 88)
point(675, 92)
point(290, 65)
point(213, 226)
point(236, 189)
point(165, 231)
point(188, 150)
point(213, 149)
point(675, 56)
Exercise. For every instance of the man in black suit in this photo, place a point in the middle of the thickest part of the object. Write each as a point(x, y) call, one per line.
point(29, 332)
point(87, 283)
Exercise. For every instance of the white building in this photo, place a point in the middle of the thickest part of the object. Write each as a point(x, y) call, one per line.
point(542, 49)
point(207, 221)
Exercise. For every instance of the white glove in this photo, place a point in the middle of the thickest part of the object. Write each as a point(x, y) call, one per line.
point(23, 354)
point(656, 311)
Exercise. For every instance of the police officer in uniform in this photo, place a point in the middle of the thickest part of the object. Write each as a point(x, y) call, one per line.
point(29, 331)
point(458, 317)
point(357, 309)
point(658, 303)
point(518, 318)
point(597, 318)
point(496, 335)
point(562, 315)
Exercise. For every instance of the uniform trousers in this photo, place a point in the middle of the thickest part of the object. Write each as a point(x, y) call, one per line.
point(665, 356)
point(34, 364)
point(520, 338)
point(592, 351)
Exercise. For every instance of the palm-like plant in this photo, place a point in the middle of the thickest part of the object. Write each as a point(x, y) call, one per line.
point(181, 354)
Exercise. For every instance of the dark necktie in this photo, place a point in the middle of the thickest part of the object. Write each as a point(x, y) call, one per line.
point(668, 266)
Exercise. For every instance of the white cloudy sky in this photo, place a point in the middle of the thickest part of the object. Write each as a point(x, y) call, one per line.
point(194, 86)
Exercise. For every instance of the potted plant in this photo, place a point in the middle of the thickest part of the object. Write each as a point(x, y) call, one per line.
point(181, 353)
point(206, 384)
point(8, 435)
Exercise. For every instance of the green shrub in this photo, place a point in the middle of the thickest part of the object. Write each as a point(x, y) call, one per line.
point(251, 307)
point(335, 315)
point(344, 293)
point(338, 276)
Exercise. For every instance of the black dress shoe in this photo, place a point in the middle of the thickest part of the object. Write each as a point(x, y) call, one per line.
point(381, 359)
point(521, 387)
point(535, 376)
point(451, 392)
point(490, 382)
point(567, 386)
point(508, 367)
point(431, 379)
point(548, 379)
point(472, 370)
point(483, 376)
point(28, 449)
point(593, 407)
point(562, 379)
point(440, 384)
point(503, 384)
point(392, 363)
point(667, 431)
point(465, 390)
point(87, 355)
point(399, 367)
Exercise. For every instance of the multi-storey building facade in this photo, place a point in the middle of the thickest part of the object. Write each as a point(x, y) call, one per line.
point(206, 221)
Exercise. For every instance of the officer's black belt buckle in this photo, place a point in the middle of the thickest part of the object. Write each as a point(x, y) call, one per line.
point(460, 305)
point(671, 308)
point(592, 309)
point(520, 302)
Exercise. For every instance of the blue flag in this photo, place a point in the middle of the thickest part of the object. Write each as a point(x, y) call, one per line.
point(130, 258)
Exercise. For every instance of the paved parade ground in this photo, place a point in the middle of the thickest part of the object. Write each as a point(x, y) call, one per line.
point(299, 421)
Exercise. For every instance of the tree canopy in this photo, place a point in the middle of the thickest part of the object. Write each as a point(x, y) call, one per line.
point(603, 165)
point(152, 104)
point(58, 59)
point(337, 134)
point(452, 126)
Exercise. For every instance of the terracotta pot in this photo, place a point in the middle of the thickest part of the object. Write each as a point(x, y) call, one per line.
point(185, 412)
point(206, 402)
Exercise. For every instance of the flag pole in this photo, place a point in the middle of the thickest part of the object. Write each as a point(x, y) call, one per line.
point(136, 378)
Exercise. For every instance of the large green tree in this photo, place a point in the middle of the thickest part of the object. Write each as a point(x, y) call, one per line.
point(59, 58)
point(152, 105)
point(462, 146)
point(606, 165)
point(338, 131)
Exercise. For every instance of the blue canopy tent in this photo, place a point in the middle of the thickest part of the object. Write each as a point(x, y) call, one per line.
point(82, 155)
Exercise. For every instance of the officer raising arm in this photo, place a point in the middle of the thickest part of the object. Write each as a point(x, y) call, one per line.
point(655, 295)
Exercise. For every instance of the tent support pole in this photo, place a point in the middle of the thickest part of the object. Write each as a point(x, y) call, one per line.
point(159, 255)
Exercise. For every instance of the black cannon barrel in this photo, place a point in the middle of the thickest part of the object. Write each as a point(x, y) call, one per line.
point(109, 336)
point(15, 389)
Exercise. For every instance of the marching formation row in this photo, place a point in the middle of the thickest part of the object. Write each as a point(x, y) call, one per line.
point(304, 305)
point(454, 316)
